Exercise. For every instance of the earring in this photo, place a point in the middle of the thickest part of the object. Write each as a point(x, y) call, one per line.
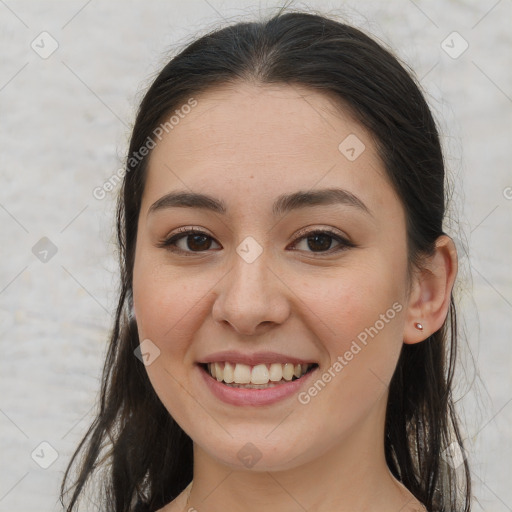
point(418, 326)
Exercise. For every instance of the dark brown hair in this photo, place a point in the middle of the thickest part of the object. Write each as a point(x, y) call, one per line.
point(145, 457)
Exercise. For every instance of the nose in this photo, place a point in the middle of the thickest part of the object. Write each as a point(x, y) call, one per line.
point(252, 298)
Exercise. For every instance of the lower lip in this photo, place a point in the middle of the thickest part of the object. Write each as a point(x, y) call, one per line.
point(265, 396)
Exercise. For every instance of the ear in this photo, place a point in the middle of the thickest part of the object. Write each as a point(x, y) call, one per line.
point(431, 290)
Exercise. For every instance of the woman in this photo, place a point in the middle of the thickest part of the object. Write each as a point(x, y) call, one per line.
point(286, 334)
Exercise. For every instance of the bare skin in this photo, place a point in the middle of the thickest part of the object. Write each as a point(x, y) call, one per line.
point(247, 145)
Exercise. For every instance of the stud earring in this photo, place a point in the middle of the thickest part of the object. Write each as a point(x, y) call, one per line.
point(418, 326)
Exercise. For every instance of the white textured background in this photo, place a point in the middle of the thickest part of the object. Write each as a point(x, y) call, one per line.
point(64, 125)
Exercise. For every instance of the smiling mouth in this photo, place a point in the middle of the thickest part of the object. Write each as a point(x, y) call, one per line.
point(260, 376)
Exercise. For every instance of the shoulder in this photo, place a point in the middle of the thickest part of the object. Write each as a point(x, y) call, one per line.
point(178, 504)
point(173, 506)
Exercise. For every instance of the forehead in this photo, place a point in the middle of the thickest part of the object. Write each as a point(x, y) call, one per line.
point(251, 142)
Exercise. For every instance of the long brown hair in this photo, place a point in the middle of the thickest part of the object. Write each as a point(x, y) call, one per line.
point(145, 458)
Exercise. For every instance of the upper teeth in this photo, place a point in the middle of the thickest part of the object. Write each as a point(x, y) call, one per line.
point(259, 374)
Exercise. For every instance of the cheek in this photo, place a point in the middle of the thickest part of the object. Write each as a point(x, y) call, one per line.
point(358, 319)
point(353, 300)
point(170, 306)
point(167, 303)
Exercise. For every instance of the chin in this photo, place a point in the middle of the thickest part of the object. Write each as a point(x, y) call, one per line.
point(260, 452)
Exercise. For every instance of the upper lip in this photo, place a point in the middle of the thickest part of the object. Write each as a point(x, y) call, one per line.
point(253, 359)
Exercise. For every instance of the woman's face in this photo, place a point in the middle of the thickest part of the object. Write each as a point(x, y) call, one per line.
point(257, 287)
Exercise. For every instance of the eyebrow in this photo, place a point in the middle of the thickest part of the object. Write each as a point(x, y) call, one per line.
point(283, 204)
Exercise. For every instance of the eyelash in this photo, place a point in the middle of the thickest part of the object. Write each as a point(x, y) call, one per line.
point(169, 243)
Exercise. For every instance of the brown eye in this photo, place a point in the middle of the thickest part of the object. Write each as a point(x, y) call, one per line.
point(198, 242)
point(188, 242)
point(321, 242)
